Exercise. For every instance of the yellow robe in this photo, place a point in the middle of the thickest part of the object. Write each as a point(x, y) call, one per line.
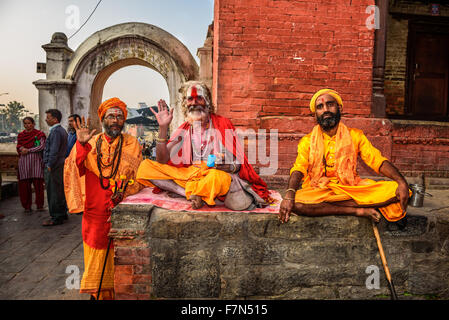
point(197, 179)
point(366, 192)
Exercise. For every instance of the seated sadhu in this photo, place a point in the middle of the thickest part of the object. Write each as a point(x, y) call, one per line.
point(326, 166)
point(182, 167)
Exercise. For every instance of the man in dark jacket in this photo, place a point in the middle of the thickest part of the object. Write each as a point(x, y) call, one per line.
point(54, 157)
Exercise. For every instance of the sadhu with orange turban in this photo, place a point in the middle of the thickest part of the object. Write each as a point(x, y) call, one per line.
point(105, 166)
point(327, 166)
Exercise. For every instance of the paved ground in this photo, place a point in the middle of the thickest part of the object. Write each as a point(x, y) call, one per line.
point(34, 259)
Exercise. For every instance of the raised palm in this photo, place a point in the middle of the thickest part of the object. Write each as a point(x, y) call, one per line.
point(83, 133)
point(163, 116)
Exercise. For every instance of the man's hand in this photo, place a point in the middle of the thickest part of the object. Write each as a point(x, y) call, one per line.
point(49, 169)
point(82, 130)
point(163, 116)
point(402, 193)
point(24, 150)
point(285, 210)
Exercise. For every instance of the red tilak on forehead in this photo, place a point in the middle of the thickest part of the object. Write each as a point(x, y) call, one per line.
point(194, 93)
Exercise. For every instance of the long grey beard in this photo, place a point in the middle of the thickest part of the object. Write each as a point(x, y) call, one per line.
point(197, 115)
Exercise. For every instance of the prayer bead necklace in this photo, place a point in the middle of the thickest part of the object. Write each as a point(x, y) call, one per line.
point(114, 164)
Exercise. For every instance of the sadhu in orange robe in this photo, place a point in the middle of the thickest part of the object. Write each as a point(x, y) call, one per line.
point(97, 205)
point(194, 176)
point(329, 168)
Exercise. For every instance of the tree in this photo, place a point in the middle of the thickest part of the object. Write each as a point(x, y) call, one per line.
point(14, 112)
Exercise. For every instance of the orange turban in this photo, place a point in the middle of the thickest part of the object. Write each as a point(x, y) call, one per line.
point(331, 92)
point(112, 103)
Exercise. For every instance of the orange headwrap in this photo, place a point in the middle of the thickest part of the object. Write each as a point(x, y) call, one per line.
point(331, 92)
point(112, 103)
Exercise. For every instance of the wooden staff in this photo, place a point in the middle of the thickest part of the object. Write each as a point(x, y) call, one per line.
point(394, 296)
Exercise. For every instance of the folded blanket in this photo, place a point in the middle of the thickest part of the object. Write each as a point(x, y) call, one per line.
point(162, 200)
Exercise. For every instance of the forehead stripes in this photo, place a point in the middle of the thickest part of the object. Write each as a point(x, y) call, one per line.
point(195, 92)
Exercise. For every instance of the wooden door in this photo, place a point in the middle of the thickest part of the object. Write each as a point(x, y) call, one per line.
point(428, 75)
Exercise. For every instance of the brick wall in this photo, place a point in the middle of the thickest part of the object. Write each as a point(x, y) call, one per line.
point(271, 56)
point(420, 147)
point(132, 274)
point(396, 65)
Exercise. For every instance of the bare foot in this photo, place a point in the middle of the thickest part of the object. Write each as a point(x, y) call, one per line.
point(197, 202)
point(369, 213)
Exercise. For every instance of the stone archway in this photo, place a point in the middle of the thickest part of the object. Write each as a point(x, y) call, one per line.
point(78, 78)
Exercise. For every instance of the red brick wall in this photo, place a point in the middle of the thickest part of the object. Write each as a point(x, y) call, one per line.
point(271, 56)
point(132, 273)
point(421, 148)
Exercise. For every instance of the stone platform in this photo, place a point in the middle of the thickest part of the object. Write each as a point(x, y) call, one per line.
point(229, 255)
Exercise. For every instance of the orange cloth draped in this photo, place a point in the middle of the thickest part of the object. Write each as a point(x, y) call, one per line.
point(97, 202)
point(338, 179)
point(74, 185)
point(93, 266)
point(197, 179)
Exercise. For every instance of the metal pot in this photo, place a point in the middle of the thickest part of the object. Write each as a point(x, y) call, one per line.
point(418, 193)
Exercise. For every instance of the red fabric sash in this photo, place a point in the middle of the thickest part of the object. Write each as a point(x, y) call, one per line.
point(222, 124)
point(26, 139)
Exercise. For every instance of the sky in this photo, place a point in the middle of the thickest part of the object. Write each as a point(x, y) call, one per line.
point(27, 25)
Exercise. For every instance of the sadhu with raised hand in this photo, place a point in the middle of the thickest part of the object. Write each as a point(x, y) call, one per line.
point(326, 165)
point(181, 165)
point(109, 162)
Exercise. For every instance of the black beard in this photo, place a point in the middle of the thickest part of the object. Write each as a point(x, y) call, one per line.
point(331, 122)
point(112, 132)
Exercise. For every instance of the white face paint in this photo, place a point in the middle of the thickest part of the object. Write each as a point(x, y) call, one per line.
point(198, 91)
point(114, 111)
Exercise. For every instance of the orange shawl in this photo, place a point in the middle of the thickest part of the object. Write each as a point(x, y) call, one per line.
point(129, 163)
point(345, 158)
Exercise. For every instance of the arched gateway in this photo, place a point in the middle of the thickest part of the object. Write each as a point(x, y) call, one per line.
point(75, 80)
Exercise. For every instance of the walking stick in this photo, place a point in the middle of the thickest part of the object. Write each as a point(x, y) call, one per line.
point(394, 296)
point(104, 267)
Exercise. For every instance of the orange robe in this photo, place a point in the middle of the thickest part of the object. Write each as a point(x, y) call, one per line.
point(323, 183)
point(196, 179)
point(97, 205)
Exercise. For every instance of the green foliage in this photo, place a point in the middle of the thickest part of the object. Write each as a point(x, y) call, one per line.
point(14, 112)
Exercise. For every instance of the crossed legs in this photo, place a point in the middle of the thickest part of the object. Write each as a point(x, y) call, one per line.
point(347, 207)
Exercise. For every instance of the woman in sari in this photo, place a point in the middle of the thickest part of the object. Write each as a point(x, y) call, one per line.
point(30, 145)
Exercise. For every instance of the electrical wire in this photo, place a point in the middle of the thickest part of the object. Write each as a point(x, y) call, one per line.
point(86, 20)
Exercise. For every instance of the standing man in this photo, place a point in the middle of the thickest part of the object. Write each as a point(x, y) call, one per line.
point(326, 164)
point(108, 161)
point(71, 139)
point(79, 188)
point(54, 156)
point(181, 165)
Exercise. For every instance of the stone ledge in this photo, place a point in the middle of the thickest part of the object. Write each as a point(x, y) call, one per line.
point(232, 255)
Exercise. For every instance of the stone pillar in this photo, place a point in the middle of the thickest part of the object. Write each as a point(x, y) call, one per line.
point(205, 55)
point(55, 91)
